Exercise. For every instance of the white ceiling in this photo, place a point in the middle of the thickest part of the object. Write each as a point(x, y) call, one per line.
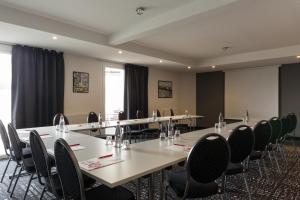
point(244, 25)
point(106, 16)
point(182, 33)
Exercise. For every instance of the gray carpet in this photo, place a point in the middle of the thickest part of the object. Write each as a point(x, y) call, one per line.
point(274, 185)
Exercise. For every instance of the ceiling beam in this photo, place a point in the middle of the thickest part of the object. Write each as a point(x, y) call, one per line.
point(149, 26)
point(270, 54)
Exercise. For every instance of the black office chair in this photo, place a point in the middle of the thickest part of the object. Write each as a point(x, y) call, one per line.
point(57, 118)
point(241, 142)
point(182, 127)
point(206, 162)
point(92, 118)
point(6, 146)
point(72, 181)
point(25, 164)
point(43, 165)
point(262, 134)
point(276, 125)
point(292, 118)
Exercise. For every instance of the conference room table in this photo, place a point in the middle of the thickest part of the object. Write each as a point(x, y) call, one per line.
point(139, 160)
point(109, 124)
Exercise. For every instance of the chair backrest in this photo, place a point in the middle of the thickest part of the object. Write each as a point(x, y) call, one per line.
point(284, 126)
point(121, 116)
point(172, 112)
point(262, 134)
point(68, 170)
point(208, 159)
point(5, 139)
point(158, 113)
point(241, 135)
point(41, 159)
point(57, 118)
point(292, 122)
point(139, 114)
point(92, 117)
point(15, 143)
point(276, 125)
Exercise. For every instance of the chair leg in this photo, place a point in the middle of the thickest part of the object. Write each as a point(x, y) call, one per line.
point(12, 178)
point(44, 190)
point(247, 187)
point(276, 161)
point(12, 192)
point(224, 183)
point(162, 186)
point(28, 186)
point(5, 170)
point(151, 189)
point(138, 189)
point(283, 154)
point(259, 169)
point(271, 160)
point(221, 196)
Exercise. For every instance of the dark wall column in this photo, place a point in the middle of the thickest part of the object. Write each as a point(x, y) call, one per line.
point(210, 96)
point(289, 91)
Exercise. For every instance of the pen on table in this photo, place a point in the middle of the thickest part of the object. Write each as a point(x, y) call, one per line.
point(105, 156)
point(182, 145)
point(73, 145)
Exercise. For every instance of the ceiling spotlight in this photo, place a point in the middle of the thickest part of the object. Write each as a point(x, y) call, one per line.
point(54, 37)
point(298, 57)
point(120, 52)
point(140, 10)
point(160, 60)
point(189, 67)
point(213, 66)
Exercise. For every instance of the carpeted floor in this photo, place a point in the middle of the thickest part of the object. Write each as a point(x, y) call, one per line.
point(274, 185)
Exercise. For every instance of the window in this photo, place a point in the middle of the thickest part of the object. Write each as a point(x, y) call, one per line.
point(5, 91)
point(114, 92)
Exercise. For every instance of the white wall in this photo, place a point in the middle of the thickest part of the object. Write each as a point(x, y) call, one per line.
point(78, 105)
point(184, 92)
point(255, 89)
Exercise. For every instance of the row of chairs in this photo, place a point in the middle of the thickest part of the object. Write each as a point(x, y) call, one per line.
point(59, 175)
point(229, 157)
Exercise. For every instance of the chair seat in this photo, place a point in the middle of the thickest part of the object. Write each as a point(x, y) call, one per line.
point(177, 181)
point(104, 192)
point(234, 168)
point(28, 165)
point(256, 155)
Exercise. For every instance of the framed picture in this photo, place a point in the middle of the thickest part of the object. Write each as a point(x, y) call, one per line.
point(165, 89)
point(80, 82)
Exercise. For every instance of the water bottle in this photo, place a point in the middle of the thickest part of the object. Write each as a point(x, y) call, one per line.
point(118, 136)
point(170, 129)
point(154, 114)
point(61, 123)
point(100, 120)
point(221, 120)
point(247, 116)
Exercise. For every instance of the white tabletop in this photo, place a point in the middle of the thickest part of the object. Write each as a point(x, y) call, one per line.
point(109, 124)
point(141, 159)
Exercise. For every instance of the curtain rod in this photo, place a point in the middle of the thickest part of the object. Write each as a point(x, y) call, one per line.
point(7, 43)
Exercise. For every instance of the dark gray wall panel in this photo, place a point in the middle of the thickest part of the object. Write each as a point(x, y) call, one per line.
point(210, 96)
point(289, 91)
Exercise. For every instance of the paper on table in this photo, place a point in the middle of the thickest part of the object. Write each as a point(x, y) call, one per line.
point(43, 136)
point(179, 148)
point(77, 147)
point(96, 163)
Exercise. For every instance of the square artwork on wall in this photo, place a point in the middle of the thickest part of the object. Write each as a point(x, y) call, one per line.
point(80, 82)
point(165, 89)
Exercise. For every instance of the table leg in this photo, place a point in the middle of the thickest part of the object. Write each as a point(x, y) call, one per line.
point(162, 186)
point(138, 189)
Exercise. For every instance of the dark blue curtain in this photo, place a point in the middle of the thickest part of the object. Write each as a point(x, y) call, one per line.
point(37, 86)
point(136, 90)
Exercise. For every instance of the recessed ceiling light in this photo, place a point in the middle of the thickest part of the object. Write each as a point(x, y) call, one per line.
point(120, 52)
point(54, 37)
point(298, 57)
point(213, 66)
point(189, 67)
point(160, 60)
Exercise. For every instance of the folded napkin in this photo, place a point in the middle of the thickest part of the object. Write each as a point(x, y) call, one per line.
point(96, 163)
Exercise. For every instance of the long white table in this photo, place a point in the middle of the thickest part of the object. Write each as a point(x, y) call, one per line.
point(141, 159)
point(110, 124)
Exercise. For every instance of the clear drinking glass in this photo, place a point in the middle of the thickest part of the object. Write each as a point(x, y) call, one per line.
point(162, 135)
point(108, 140)
point(177, 133)
point(171, 134)
point(126, 144)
